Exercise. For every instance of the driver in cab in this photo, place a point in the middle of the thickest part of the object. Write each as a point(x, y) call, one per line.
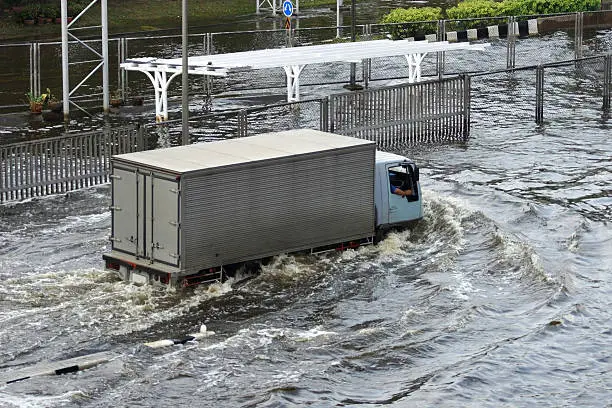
point(400, 192)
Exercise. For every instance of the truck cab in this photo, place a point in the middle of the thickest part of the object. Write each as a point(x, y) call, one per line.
point(392, 210)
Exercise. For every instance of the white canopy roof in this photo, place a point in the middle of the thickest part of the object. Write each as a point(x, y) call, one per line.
point(292, 60)
point(309, 54)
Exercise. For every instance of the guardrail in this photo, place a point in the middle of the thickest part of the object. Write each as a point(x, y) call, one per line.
point(63, 163)
point(418, 113)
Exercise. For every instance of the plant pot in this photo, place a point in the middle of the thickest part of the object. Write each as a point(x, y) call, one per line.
point(28, 21)
point(115, 103)
point(41, 20)
point(55, 106)
point(58, 20)
point(36, 107)
point(138, 101)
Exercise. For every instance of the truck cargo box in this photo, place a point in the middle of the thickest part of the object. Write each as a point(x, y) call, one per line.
point(181, 210)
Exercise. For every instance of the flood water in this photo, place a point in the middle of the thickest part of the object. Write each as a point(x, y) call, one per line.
point(500, 297)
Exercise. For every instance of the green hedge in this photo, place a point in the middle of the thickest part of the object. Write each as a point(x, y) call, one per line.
point(401, 15)
point(416, 20)
point(530, 7)
point(487, 8)
point(491, 8)
point(475, 9)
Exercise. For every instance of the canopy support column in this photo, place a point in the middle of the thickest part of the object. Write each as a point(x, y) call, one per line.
point(414, 66)
point(293, 81)
point(160, 84)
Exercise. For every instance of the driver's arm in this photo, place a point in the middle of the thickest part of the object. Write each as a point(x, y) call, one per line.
point(401, 192)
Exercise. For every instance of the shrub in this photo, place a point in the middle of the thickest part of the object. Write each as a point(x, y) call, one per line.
point(52, 11)
point(417, 19)
point(400, 15)
point(490, 8)
point(474, 9)
point(30, 12)
point(529, 7)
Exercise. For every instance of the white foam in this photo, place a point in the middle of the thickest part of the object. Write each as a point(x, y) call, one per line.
point(40, 401)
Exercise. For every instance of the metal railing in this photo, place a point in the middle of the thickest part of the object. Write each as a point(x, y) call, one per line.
point(63, 163)
point(418, 113)
point(596, 71)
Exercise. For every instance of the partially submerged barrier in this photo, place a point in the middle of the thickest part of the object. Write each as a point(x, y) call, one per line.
point(64, 163)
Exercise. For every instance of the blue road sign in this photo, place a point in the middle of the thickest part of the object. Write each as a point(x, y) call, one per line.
point(287, 8)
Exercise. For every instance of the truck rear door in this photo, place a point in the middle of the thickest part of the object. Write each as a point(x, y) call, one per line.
point(162, 222)
point(126, 234)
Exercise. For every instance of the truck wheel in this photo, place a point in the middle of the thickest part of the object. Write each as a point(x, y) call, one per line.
point(380, 235)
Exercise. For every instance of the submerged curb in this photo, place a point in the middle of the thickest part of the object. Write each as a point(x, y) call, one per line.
point(70, 365)
point(75, 364)
point(524, 28)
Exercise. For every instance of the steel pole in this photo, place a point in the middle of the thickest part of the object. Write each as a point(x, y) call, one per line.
point(352, 85)
point(185, 82)
point(353, 13)
point(105, 82)
point(65, 77)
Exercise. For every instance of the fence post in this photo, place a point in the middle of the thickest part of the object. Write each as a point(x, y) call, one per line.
point(367, 63)
point(607, 83)
point(331, 114)
point(440, 57)
point(578, 34)
point(140, 137)
point(467, 102)
point(539, 113)
point(324, 114)
point(242, 123)
point(124, 73)
point(511, 49)
point(35, 69)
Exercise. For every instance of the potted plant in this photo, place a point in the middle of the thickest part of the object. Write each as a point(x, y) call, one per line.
point(116, 98)
point(52, 102)
point(53, 13)
point(29, 14)
point(38, 102)
point(42, 16)
point(74, 9)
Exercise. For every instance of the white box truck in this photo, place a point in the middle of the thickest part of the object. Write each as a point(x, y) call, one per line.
point(186, 215)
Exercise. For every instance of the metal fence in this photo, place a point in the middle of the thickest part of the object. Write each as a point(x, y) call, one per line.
point(64, 163)
point(228, 124)
point(545, 93)
point(419, 113)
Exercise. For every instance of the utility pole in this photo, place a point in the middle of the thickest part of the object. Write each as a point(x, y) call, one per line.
point(185, 83)
point(352, 85)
